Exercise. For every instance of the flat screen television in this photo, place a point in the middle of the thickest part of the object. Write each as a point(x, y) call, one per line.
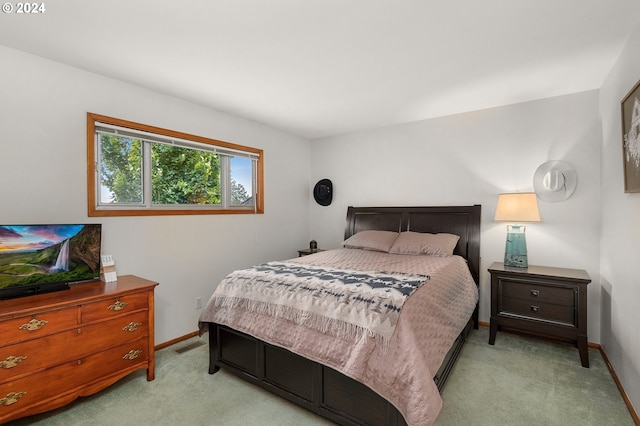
point(38, 259)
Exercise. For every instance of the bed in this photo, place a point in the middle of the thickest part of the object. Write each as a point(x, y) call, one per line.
point(387, 374)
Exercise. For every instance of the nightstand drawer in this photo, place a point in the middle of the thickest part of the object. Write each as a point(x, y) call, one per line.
point(538, 293)
point(536, 310)
point(546, 301)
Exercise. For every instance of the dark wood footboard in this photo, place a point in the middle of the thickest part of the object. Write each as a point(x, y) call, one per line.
point(310, 385)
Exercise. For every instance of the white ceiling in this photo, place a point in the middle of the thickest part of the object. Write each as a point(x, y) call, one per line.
point(324, 67)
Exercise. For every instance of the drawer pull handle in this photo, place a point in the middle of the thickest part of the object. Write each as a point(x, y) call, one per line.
point(535, 293)
point(11, 398)
point(12, 361)
point(132, 354)
point(133, 326)
point(118, 306)
point(535, 308)
point(33, 325)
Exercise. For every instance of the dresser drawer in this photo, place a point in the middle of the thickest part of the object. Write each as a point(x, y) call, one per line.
point(37, 325)
point(27, 393)
point(538, 293)
point(25, 358)
point(114, 306)
point(539, 311)
point(116, 331)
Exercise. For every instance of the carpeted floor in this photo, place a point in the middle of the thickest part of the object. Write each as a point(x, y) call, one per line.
point(519, 381)
point(525, 380)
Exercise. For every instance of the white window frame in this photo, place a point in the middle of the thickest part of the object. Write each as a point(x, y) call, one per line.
point(99, 124)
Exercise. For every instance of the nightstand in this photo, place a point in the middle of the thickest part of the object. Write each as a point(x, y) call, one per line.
point(306, 252)
point(541, 300)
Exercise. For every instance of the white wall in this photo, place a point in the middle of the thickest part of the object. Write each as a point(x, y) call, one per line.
point(469, 159)
point(620, 243)
point(43, 107)
point(462, 159)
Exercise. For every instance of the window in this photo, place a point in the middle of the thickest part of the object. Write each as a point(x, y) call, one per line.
point(135, 169)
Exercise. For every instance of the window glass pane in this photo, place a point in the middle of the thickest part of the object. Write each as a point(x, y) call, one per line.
point(184, 176)
point(141, 170)
point(120, 170)
point(241, 181)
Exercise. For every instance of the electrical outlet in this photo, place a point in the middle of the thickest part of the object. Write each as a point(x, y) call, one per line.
point(198, 302)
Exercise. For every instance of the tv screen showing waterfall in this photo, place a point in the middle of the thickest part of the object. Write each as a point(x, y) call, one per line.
point(41, 258)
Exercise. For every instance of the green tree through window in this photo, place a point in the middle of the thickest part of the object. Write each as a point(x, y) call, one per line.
point(121, 169)
point(138, 172)
point(184, 176)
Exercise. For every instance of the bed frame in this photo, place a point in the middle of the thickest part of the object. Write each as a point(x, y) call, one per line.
point(319, 388)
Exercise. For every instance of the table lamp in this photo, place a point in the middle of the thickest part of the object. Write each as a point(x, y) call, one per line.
point(517, 207)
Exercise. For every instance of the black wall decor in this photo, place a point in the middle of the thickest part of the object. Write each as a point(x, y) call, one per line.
point(323, 192)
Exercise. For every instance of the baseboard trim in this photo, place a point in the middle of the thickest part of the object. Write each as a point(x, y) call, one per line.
point(625, 398)
point(176, 340)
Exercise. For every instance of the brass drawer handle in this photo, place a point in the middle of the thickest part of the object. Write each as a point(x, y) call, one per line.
point(118, 306)
point(12, 361)
point(132, 354)
point(33, 325)
point(11, 398)
point(535, 309)
point(133, 326)
point(535, 293)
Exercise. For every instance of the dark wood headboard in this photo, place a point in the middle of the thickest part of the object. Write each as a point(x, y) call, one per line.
point(460, 220)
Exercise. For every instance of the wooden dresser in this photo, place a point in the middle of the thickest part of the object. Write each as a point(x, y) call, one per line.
point(59, 346)
point(541, 300)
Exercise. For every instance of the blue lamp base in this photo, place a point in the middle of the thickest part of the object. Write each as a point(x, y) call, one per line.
point(515, 252)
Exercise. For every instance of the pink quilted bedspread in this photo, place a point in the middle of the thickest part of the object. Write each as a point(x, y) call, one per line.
point(429, 323)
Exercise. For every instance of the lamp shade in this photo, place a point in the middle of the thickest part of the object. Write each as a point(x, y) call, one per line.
point(517, 207)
